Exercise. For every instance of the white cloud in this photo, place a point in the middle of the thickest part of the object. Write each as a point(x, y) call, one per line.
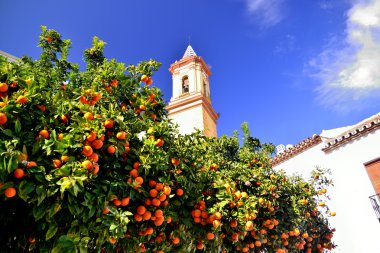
point(267, 12)
point(349, 65)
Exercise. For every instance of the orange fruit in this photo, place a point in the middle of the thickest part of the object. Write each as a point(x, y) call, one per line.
point(233, 224)
point(97, 144)
point(136, 165)
point(45, 134)
point(96, 169)
point(2, 104)
point(60, 136)
point(116, 202)
point(218, 215)
point(147, 215)
point(152, 183)
point(91, 136)
point(257, 243)
point(125, 201)
point(3, 118)
point(19, 173)
point(10, 192)
point(139, 180)
point(111, 149)
point(31, 164)
point(144, 78)
point(159, 213)
point(108, 123)
point(94, 157)
point(65, 158)
point(167, 190)
point(87, 150)
point(88, 115)
point(141, 210)
point(134, 173)
point(159, 186)
point(179, 192)
point(121, 135)
point(162, 197)
point(175, 240)
point(156, 202)
point(175, 161)
point(113, 240)
point(3, 87)
point(210, 236)
point(153, 193)
point(149, 81)
point(105, 210)
point(21, 100)
point(64, 118)
point(200, 246)
point(87, 164)
point(57, 163)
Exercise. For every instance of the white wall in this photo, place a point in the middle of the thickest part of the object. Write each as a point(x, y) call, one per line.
point(358, 229)
point(189, 119)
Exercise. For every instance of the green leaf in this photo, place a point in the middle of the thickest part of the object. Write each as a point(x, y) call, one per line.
point(12, 164)
point(8, 132)
point(51, 231)
point(24, 189)
point(39, 212)
point(17, 126)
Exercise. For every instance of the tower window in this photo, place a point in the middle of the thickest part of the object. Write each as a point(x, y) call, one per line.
point(185, 84)
point(205, 90)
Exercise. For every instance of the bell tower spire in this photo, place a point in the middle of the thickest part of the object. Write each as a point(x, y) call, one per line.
point(190, 106)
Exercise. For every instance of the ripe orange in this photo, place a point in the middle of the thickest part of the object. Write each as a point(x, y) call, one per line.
point(233, 224)
point(109, 123)
point(91, 136)
point(31, 164)
point(97, 144)
point(175, 161)
point(121, 135)
point(200, 246)
point(162, 198)
point(216, 223)
point(2, 104)
point(88, 115)
point(167, 190)
point(134, 173)
point(19, 173)
point(57, 163)
point(257, 243)
point(60, 136)
point(210, 236)
point(144, 78)
point(64, 118)
point(111, 149)
point(87, 164)
point(149, 81)
point(141, 210)
point(159, 186)
point(179, 192)
point(153, 193)
point(113, 240)
point(139, 180)
point(21, 100)
point(3, 87)
point(95, 169)
point(10, 192)
point(159, 213)
point(147, 215)
point(87, 150)
point(136, 165)
point(116, 202)
point(65, 158)
point(138, 217)
point(156, 202)
point(45, 134)
point(125, 201)
point(94, 157)
point(175, 240)
point(105, 210)
point(249, 226)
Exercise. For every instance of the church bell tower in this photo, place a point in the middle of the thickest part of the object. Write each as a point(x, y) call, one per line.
point(190, 106)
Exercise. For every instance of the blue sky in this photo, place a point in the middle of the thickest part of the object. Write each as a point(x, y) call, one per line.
point(290, 68)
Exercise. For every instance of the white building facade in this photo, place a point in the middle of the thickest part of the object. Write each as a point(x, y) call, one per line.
point(353, 155)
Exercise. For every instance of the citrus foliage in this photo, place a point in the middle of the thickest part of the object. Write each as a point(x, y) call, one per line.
point(89, 162)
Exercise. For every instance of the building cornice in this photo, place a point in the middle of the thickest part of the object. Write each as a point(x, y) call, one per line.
point(185, 103)
point(296, 149)
point(355, 132)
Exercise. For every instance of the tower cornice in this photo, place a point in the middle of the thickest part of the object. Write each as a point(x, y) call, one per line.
point(188, 60)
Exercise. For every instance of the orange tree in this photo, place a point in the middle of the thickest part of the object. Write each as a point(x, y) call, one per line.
point(89, 162)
